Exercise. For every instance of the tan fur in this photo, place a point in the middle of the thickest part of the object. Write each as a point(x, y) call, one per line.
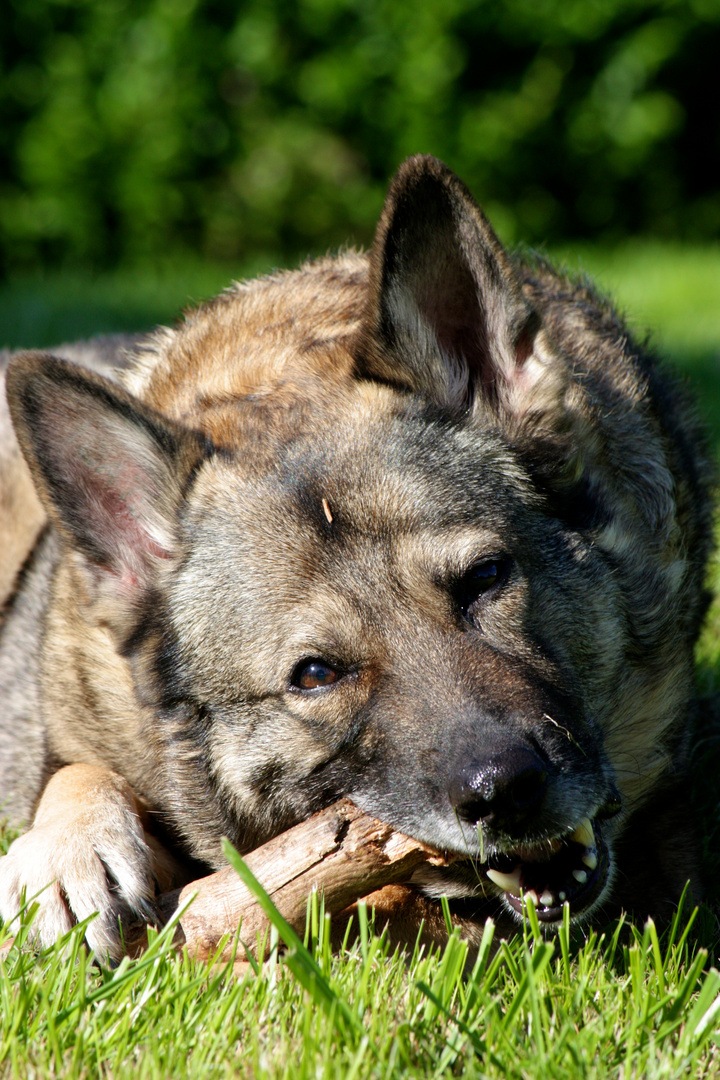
point(21, 512)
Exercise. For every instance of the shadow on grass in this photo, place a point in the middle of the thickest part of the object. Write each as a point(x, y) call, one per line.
point(704, 771)
point(701, 370)
point(704, 801)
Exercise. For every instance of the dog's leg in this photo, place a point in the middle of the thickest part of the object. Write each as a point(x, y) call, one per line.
point(86, 852)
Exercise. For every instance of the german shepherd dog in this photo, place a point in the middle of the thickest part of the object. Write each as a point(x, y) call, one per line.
point(424, 528)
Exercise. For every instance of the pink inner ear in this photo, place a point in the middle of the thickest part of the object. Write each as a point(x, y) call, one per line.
point(451, 306)
point(524, 346)
point(108, 469)
point(120, 529)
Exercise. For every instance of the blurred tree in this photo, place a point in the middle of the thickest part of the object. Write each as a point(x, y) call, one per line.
point(133, 129)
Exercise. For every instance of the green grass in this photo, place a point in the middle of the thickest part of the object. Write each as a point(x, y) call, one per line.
point(626, 1002)
point(618, 1002)
point(39, 312)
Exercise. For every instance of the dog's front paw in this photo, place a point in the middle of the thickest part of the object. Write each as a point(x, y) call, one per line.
point(85, 853)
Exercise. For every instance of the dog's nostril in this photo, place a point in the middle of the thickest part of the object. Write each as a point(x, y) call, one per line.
point(503, 790)
point(469, 805)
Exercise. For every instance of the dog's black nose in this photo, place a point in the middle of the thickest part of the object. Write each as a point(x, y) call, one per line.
point(503, 791)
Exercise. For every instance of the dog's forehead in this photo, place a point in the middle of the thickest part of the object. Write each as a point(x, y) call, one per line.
point(352, 470)
point(320, 544)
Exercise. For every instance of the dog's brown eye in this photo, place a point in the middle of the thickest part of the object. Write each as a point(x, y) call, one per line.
point(313, 674)
point(481, 578)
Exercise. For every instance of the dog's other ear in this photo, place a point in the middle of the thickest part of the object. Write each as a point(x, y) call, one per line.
point(110, 472)
point(446, 316)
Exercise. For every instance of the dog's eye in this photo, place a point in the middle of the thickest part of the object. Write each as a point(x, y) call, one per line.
point(480, 579)
point(314, 674)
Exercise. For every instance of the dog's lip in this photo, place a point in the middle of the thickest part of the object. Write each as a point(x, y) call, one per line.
point(572, 869)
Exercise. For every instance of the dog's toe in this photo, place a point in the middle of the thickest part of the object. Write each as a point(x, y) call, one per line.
point(82, 861)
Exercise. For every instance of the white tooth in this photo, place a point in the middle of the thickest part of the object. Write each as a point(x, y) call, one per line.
point(562, 897)
point(580, 875)
point(547, 899)
point(530, 894)
point(507, 882)
point(584, 833)
point(590, 860)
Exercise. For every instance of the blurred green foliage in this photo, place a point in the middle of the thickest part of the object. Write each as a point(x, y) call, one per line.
point(137, 129)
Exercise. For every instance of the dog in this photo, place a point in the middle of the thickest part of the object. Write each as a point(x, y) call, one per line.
point(424, 527)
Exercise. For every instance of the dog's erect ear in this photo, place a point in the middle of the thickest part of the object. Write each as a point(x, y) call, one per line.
point(109, 471)
point(446, 316)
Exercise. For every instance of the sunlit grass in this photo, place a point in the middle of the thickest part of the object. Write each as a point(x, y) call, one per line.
point(627, 1002)
point(669, 288)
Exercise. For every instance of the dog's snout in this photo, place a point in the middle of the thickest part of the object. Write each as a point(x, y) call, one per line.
point(503, 791)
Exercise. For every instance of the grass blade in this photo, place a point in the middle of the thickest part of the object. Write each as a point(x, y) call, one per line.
point(299, 959)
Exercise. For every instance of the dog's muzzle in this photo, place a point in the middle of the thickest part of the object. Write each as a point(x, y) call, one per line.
point(504, 796)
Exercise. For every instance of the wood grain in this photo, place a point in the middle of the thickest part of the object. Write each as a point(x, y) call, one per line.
point(340, 852)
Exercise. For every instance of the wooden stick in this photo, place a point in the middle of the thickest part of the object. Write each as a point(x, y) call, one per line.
point(340, 852)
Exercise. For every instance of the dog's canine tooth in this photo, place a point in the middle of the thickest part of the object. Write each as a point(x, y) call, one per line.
point(584, 834)
point(590, 859)
point(509, 883)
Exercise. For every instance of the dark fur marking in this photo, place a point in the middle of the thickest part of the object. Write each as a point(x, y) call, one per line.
point(31, 560)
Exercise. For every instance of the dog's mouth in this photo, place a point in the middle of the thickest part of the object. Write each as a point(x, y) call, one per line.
point(572, 870)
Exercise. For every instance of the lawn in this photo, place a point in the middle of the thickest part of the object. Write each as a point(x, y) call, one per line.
point(624, 1002)
point(615, 1001)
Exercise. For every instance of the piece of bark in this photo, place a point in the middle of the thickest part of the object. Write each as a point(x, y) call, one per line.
point(341, 852)
point(407, 916)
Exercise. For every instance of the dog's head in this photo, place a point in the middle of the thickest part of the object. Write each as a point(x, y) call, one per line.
point(377, 563)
